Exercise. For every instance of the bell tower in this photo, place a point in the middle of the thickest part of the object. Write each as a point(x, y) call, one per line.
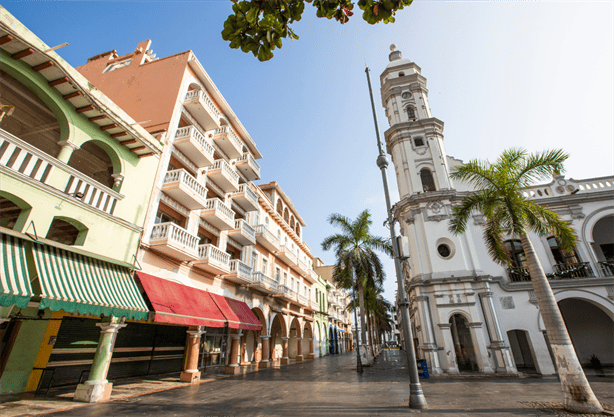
point(415, 137)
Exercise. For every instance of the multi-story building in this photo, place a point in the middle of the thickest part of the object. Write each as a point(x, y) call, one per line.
point(339, 322)
point(320, 289)
point(73, 200)
point(210, 231)
point(469, 313)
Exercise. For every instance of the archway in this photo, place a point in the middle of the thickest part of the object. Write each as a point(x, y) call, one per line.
point(463, 344)
point(591, 330)
point(257, 344)
point(316, 340)
point(249, 340)
point(307, 334)
point(522, 350)
point(96, 162)
point(295, 333)
point(603, 244)
point(13, 211)
point(278, 330)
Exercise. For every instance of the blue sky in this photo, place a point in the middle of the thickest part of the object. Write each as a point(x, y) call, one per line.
point(500, 74)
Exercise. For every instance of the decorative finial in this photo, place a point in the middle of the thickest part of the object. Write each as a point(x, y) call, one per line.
point(393, 47)
point(394, 54)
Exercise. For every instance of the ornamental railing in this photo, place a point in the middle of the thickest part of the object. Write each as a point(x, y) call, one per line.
point(226, 168)
point(242, 269)
point(231, 135)
point(607, 268)
point(202, 95)
point(217, 204)
point(241, 224)
point(213, 253)
point(191, 131)
point(519, 275)
point(261, 277)
point(572, 270)
point(182, 176)
point(174, 234)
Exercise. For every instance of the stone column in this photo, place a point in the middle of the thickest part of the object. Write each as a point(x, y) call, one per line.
point(191, 373)
point(67, 149)
point(501, 352)
point(448, 348)
point(312, 354)
point(480, 347)
point(285, 359)
point(233, 363)
point(430, 345)
point(299, 349)
point(97, 388)
point(244, 360)
point(265, 363)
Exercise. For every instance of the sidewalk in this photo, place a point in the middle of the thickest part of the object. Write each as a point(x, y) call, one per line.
point(61, 398)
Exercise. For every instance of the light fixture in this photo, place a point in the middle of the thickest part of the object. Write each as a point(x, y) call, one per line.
point(575, 191)
point(77, 194)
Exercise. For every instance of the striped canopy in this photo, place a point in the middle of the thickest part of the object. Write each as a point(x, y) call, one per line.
point(15, 285)
point(73, 282)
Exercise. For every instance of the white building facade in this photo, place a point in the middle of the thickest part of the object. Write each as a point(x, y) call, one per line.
point(470, 314)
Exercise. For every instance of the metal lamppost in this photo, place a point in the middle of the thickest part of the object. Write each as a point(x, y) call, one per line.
point(416, 396)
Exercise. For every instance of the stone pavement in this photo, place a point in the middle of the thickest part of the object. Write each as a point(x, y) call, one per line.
point(330, 386)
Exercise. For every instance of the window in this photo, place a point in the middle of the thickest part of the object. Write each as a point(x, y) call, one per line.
point(444, 250)
point(93, 161)
point(277, 274)
point(401, 74)
point(428, 184)
point(204, 239)
point(516, 252)
point(266, 222)
point(418, 142)
point(411, 113)
point(162, 217)
point(67, 231)
point(292, 286)
point(254, 261)
point(286, 279)
point(265, 266)
point(559, 256)
point(279, 235)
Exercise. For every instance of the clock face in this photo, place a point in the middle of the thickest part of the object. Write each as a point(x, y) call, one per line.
point(406, 95)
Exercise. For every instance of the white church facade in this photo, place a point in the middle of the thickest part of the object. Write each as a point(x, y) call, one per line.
point(470, 314)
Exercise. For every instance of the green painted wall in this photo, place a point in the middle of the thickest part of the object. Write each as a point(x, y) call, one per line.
point(19, 366)
point(321, 318)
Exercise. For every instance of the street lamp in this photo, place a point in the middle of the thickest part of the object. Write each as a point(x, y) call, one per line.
point(416, 396)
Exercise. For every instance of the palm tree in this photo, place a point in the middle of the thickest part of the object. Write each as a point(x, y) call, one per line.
point(355, 253)
point(500, 200)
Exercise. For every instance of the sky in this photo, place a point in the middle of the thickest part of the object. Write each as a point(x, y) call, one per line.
point(538, 75)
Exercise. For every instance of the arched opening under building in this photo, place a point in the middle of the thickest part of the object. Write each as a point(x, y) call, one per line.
point(603, 244)
point(307, 334)
point(257, 342)
point(13, 211)
point(295, 333)
point(278, 330)
point(67, 231)
point(30, 119)
point(463, 344)
point(93, 161)
point(591, 330)
point(520, 343)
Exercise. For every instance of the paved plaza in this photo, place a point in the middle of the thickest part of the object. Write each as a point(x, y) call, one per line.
point(330, 387)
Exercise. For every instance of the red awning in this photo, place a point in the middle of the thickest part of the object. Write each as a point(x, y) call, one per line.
point(179, 304)
point(239, 315)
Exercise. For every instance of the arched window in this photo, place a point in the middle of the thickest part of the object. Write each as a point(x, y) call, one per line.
point(30, 119)
point(561, 257)
point(298, 230)
point(279, 235)
point(411, 113)
point(426, 176)
point(67, 231)
point(516, 252)
point(280, 208)
point(286, 215)
point(91, 160)
point(13, 211)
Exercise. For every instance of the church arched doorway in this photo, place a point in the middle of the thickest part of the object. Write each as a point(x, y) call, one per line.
point(520, 343)
point(463, 344)
point(591, 330)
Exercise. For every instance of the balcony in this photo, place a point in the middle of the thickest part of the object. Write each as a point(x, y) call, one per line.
point(314, 305)
point(224, 176)
point(607, 268)
point(245, 198)
point(32, 164)
point(266, 238)
point(201, 107)
point(248, 167)
point(240, 273)
point(572, 271)
point(302, 269)
point(304, 301)
point(183, 188)
point(264, 283)
point(243, 233)
point(190, 142)
point(286, 293)
point(218, 214)
point(174, 241)
point(212, 259)
point(229, 142)
point(287, 256)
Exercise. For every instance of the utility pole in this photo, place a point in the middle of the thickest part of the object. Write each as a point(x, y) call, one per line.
point(416, 396)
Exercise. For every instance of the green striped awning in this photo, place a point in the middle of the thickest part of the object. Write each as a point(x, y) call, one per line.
point(73, 282)
point(15, 288)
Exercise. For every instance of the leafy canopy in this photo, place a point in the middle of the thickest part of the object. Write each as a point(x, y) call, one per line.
point(258, 26)
point(499, 198)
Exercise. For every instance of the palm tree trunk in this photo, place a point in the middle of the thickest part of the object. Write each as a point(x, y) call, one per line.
point(371, 347)
point(363, 317)
point(577, 393)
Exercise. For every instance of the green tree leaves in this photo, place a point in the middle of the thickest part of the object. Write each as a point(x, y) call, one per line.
point(258, 26)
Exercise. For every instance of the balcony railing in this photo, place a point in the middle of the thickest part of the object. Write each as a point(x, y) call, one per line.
point(314, 305)
point(264, 281)
point(184, 188)
point(266, 238)
point(174, 240)
point(569, 186)
point(198, 148)
point(20, 156)
point(224, 176)
point(202, 108)
point(303, 300)
point(287, 255)
point(249, 167)
point(572, 270)
point(213, 259)
point(607, 268)
point(241, 270)
point(243, 233)
point(218, 214)
point(228, 141)
point(245, 198)
point(287, 292)
point(519, 274)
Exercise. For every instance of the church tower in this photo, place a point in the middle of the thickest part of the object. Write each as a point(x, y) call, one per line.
point(453, 317)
